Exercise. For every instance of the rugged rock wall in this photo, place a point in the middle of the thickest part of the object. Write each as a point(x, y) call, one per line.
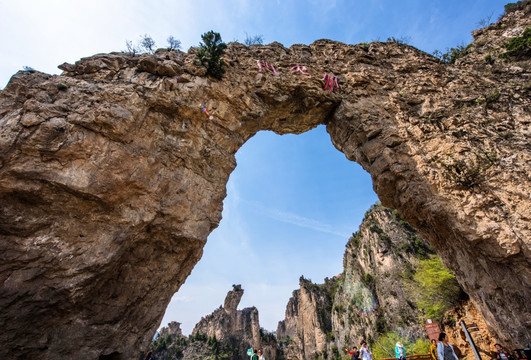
point(173, 329)
point(287, 328)
point(482, 337)
point(465, 190)
point(374, 297)
point(303, 332)
point(377, 293)
point(111, 177)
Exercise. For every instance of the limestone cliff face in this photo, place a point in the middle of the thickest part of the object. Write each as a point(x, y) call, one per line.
point(373, 298)
point(303, 332)
point(111, 177)
point(366, 300)
point(374, 295)
point(287, 328)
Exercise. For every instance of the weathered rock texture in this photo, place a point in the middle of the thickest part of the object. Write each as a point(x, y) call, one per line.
point(287, 328)
point(173, 329)
point(482, 337)
point(111, 177)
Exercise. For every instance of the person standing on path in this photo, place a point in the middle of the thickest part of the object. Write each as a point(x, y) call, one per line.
point(355, 353)
point(400, 352)
point(260, 355)
point(255, 354)
point(365, 352)
point(445, 351)
point(433, 350)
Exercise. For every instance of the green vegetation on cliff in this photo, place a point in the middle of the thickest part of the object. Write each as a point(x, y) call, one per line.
point(519, 5)
point(385, 346)
point(518, 45)
point(210, 53)
point(435, 288)
point(393, 281)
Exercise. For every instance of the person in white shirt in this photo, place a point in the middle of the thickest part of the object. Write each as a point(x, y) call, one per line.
point(365, 352)
point(445, 351)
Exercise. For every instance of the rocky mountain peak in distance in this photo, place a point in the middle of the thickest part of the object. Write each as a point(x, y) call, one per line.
point(226, 333)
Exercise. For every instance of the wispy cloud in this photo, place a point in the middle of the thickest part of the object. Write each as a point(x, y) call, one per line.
point(232, 216)
point(294, 219)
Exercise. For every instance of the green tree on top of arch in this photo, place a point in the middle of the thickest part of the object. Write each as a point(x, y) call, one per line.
point(210, 52)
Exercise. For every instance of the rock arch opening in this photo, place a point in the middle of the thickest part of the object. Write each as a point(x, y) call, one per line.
point(292, 203)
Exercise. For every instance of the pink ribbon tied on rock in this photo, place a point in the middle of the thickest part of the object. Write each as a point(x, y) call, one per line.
point(299, 68)
point(262, 63)
point(330, 81)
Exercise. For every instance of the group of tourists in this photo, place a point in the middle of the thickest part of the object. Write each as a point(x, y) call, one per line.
point(439, 350)
point(255, 354)
point(364, 353)
point(442, 350)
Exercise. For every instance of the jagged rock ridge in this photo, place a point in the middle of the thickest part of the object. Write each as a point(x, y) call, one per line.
point(111, 178)
point(303, 333)
point(240, 328)
point(225, 333)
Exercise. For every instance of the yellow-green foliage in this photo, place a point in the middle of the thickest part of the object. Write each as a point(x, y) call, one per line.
point(384, 347)
point(436, 287)
point(421, 346)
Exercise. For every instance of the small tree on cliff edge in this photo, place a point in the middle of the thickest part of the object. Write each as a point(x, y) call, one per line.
point(210, 53)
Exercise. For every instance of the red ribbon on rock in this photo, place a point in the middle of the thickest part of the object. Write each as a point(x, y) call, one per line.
point(262, 63)
point(330, 81)
point(299, 68)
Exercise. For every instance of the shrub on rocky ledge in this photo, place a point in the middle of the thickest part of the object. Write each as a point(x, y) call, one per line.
point(210, 53)
point(518, 46)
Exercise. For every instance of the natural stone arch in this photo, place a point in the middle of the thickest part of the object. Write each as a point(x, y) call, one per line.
point(112, 177)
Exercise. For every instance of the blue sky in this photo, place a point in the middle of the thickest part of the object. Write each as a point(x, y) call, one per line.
point(293, 200)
